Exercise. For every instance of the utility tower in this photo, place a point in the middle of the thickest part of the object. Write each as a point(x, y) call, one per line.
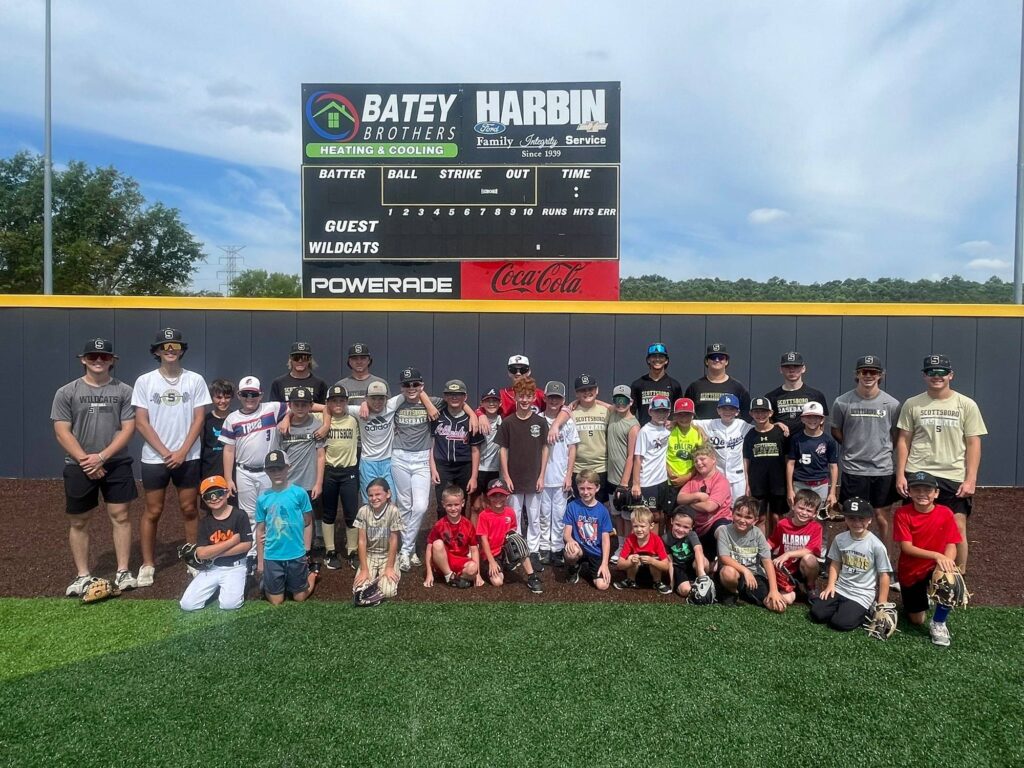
point(230, 263)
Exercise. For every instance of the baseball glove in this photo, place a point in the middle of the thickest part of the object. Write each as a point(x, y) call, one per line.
point(785, 581)
point(515, 550)
point(830, 514)
point(187, 552)
point(949, 588)
point(881, 623)
point(368, 595)
point(622, 498)
point(99, 589)
point(702, 592)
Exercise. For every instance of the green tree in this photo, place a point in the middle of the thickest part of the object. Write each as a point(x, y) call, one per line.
point(106, 240)
point(257, 283)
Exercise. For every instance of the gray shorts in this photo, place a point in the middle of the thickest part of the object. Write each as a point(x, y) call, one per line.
point(280, 576)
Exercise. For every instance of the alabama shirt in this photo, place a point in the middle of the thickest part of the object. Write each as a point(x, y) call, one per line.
point(787, 536)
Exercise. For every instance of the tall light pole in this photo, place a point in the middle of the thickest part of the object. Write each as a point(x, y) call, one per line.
point(47, 175)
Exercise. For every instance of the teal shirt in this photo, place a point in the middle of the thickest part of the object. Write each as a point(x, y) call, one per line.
point(283, 513)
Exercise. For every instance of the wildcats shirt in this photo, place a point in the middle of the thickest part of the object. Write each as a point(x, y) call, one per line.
point(457, 537)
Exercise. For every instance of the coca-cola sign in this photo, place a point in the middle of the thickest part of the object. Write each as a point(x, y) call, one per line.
point(541, 280)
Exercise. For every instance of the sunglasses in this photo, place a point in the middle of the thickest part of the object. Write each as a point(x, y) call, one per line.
point(718, 358)
point(171, 346)
point(214, 495)
point(937, 372)
point(518, 369)
point(249, 395)
point(621, 400)
point(101, 356)
point(411, 384)
point(301, 357)
point(871, 371)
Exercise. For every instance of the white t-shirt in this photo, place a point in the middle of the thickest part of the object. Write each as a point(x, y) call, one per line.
point(652, 445)
point(254, 434)
point(377, 433)
point(170, 408)
point(728, 444)
point(558, 454)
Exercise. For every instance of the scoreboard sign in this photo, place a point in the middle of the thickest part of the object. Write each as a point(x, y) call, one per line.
point(399, 180)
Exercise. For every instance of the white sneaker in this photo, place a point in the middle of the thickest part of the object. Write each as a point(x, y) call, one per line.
point(895, 586)
point(939, 633)
point(414, 559)
point(404, 562)
point(192, 572)
point(124, 580)
point(77, 587)
point(145, 577)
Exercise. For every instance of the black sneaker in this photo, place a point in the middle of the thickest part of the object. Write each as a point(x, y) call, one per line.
point(538, 566)
point(544, 556)
point(663, 588)
point(331, 561)
point(624, 584)
point(557, 560)
point(533, 584)
point(314, 568)
point(572, 574)
point(353, 561)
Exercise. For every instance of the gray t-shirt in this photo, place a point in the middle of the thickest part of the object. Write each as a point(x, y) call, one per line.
point(748, 550)
point(376, 433)
point(867, 432)
point(412, 426)
point(862, 560)
point(490, 458)
point(300, 447)
point(356, 389)
point(95, 413)
point(618, 440)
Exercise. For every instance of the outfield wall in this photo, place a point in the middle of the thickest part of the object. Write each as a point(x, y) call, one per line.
point(41, 336)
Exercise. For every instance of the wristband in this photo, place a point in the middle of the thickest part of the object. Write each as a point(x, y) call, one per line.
point(102, 457)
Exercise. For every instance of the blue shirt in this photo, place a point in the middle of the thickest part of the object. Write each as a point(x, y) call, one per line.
point(588, 523)
point(283, 514)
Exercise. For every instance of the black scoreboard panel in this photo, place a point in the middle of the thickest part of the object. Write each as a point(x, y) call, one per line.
point(469, 213)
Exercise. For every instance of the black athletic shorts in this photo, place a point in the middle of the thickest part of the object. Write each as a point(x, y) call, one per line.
point(880, 490)
point(484, 478)
point(756, 595)
point(772, 502)
point(708, 541)
point(83, 493)
point(681, 573)
point(158, 476)
point(915, 596)
point(589, 566)
point(658, 498)
point(948, 498)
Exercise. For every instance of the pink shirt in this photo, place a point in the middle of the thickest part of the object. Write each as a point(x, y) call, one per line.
point(717, 487)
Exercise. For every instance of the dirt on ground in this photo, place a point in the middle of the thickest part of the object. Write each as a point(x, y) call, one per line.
point(35, 560)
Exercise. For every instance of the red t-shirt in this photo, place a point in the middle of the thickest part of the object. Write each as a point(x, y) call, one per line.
point(508, 402)
point(457, 538)
point(495, 526)
point(933, 531)
point(787, 536)
point(717, 487)
point(653, 547)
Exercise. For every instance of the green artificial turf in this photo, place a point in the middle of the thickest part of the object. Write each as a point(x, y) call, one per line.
point(139, 683)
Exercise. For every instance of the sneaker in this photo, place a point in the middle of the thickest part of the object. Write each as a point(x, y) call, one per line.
point(895, 586)
point(314, 568)
point(77, 587)
point(353, 560)
point(404, 563)
point(939, 633)
point(318, 543)
point(414, 560)
point(544, 556)
point(558, 559)
point(457, 581)
point(192, 572)
point(572, 575)
point(250, 566)
point(124, 580)
point(663, 588)
point(146, 576)
point(538, 566)
point(533, 584)
point(625, 584)
point(331, 561)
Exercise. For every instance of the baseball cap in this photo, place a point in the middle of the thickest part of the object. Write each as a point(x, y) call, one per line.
point(792, 358)
point(491, 394)
point(359, 349)
point(729, 400)
point(857, 507)
point(519, 360)
point(761, 404)
point(683, 405)
point(812, 409)
point(275, 460)
point(554, 388)
point(584, 381)
point(376, 388)
point(716, 349)
point(165, 335)
point(337, 391)
point(302, 348)
point(622, 390)
point(93, 346)
point(657, 348)
point(410, 374)
point(215, 481)
point(249, 384)
point(455, 387)
point(659, 403)
point(936, 361)
point(870, 361)
point(922, 478)
point(498, 486)
point(300, 395)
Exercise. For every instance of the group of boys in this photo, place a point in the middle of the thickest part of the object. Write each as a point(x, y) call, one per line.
point(589, 482)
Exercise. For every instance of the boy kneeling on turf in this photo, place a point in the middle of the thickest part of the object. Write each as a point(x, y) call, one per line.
point(225, 538)
point(745, 565)
point(451, 545)
point(495, 524)
point(858, 570)
point(796, 546)
point(643, 556)
point(686, 555)
point(587, 530)
point(284, 533)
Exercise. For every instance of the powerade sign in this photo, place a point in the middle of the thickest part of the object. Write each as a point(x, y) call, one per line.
point(535, 123)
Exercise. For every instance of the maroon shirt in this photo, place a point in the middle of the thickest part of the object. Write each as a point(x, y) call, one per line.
point(525, 440)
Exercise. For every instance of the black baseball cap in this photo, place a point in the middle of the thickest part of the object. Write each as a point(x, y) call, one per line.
point(870, 361)
point(498, 486)
point(337, 391)
point(585, 381)
point(936, 361)
point(410, 374)
point(716, 349)
point(761, 404)
point(302, 348)
point(102, 346)
point(276, 459)
point(165, 335)
point(857, 507)
point(922, 478)
point(491, 394)
point(792, 358)
point(300, 395)
point(359, 349)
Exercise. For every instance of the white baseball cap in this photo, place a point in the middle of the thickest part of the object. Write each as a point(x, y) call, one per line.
point(813, 409)
point(249, 384)
point(519, 360)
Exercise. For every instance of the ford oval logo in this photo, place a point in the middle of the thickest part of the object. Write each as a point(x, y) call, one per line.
point(489, 128)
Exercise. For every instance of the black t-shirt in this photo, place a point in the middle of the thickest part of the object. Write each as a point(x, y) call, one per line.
point(766, 452)
point(283, 385)
point(645, 388)
point(705, 396)
point(788, 404)
point(525, 440)
point(682, 551)
point(214, 531)
point(211, 449)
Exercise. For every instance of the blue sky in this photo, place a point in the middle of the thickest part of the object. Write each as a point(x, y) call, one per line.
point(807, 140)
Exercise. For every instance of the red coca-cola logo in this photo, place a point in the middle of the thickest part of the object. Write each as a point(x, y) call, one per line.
point(559, 278)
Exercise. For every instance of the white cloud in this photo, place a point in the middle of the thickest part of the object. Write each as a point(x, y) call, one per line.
point(766, 215)
point(976, 247)
point(989, 265)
